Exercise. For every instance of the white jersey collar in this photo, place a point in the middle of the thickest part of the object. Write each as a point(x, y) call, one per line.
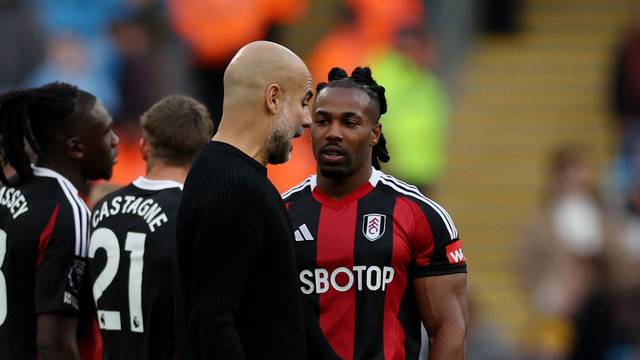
point(150, 184)
point(373, 179)
point(46, 172)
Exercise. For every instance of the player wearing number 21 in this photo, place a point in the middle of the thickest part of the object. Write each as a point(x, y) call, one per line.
point(132, 243)
point(44, 223)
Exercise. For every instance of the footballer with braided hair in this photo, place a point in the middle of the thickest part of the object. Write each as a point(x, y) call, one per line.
point(376, 258)
point(44, 222)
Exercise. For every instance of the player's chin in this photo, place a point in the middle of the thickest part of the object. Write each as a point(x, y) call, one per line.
point(333, 171)
point(105, 174)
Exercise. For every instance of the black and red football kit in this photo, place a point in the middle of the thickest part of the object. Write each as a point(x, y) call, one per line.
point(44, 227)
point(357, 258)
point(131, 267)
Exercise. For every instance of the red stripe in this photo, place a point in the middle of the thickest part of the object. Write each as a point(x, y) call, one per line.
point(336, 230)
point(421, 236)
point(394, 335)
point(45, 235)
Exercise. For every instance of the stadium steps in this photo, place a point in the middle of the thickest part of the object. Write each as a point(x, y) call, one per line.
point(522, 96)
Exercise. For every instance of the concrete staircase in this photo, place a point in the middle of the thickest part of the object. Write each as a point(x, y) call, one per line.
point(522, 96)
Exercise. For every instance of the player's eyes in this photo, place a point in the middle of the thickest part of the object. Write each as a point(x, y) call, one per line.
point(350, 123)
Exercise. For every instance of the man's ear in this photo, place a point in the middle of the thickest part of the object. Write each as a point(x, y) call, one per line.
point(273, 98)
point(375, 134)
point(145, 149)
point(74, 148)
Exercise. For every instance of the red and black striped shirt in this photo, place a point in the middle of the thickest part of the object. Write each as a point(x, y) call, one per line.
point(357, 256)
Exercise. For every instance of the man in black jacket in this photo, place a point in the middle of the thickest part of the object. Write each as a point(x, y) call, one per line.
point(237, 287)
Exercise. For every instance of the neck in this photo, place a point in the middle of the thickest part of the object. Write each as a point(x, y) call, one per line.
point(339, 188)
point(248, 135)
point(162, 171)
point(69, 172)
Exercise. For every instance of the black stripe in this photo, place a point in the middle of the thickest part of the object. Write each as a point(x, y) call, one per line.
point(369, 335)
point(444, 215)
point(305, 210)
point(296, 188)
point(83, 225)
point(409, 317)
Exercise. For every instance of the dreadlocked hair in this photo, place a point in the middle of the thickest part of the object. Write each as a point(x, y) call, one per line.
point(36, 117)
point(361, 79)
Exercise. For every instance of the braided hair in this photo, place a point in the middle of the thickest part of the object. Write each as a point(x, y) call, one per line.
point(37, 116)
point(361, 79)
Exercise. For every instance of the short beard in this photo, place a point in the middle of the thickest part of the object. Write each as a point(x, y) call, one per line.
point(334, 173)
point(279, 143)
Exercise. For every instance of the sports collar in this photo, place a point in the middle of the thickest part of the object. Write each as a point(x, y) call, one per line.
point(373, 179)
point(150, 184)
point(46, 172)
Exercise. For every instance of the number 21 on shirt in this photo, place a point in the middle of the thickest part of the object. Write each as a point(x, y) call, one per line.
point(104, 238)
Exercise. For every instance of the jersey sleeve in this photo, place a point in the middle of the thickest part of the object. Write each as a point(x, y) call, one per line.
point(435, 241)
point(60, 265)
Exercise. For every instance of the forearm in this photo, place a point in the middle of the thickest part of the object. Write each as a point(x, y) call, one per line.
point(56, 337)
point(58, 349)
point(448, 342)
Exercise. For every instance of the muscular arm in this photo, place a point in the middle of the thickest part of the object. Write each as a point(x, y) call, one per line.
point(442, 304)
point(56, 337)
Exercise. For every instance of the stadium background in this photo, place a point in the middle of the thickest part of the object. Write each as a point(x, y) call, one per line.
point(501, 108)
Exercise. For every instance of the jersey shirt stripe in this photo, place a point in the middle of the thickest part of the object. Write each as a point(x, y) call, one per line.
point(297, 188)
point(374, 256)
point(45, 235)
point(79, 210)
point(453, 232)
point(413, 189)
point(395, 292)
point(339, 323)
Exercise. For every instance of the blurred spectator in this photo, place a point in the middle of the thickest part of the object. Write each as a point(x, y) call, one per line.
point(153, 61)
point(367, 28)
point(21, 40)
point(501, 16)
point(562, 249)
point(79, 62)
point(79, 47)
point(485, 339)
point(452, 24)
point(626, 80)
point(608, 325)
point(625, 104)
point(216, 29)
point(416, 127)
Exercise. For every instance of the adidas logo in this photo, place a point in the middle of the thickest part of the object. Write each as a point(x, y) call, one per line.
point(303, 234)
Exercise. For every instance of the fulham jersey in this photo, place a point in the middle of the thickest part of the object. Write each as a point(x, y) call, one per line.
point(357, 258)
point(44, 227)
point(131, 266)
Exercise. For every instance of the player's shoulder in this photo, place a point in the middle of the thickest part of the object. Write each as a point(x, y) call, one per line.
point(305, 187)
point(436, 214)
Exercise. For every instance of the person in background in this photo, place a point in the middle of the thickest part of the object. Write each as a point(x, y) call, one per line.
point(562, 250)
point(45, 308)
point(133, 233)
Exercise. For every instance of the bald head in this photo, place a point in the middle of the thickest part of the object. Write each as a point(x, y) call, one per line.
point(256, 66)
point(267, 91)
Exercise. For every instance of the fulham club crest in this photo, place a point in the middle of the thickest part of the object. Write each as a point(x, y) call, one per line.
point(373, 226)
